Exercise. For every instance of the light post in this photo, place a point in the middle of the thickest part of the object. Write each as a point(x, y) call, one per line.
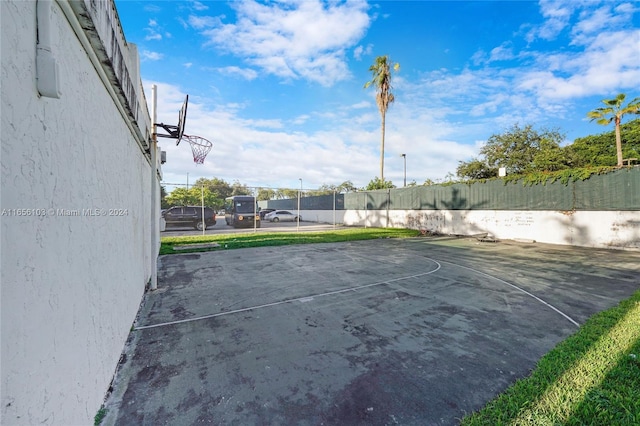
point(299, 195)
point(404, 156)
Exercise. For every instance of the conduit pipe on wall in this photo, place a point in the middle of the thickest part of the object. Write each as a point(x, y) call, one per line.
point(153, 281)
point(47, 72)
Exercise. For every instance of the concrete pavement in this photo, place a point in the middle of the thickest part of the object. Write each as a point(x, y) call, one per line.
point(413, 332)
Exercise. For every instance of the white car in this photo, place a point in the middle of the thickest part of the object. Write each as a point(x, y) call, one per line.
point(282, 215)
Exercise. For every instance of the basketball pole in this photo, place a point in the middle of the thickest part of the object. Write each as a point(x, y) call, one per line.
point(153, 285)
point(204, 222)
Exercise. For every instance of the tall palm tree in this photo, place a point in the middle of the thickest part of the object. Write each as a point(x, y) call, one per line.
point(381, 80)
point(614, 112)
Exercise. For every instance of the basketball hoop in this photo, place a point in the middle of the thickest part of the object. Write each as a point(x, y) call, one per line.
point(200, 147)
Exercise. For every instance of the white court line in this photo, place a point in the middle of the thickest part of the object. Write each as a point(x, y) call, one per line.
point(305, 299)
point(297, 299)
point(519, 289)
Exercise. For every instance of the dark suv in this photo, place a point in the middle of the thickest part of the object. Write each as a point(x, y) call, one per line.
point(190, 216)
point(263, 212)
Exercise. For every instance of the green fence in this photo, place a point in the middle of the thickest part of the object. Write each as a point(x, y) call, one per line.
point(321, 202)
point(619, 190)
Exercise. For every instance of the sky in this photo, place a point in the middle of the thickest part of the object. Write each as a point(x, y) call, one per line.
point(278, 86)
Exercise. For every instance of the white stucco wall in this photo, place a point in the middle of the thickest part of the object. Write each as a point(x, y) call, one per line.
point(75, 228)
point(603, 229)
point(322, 216)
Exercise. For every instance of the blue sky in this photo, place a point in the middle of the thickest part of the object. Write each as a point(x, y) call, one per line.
point(278, 86)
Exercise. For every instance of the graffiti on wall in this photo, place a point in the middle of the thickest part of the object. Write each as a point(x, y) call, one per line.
point(430, 221)
point(519, 219)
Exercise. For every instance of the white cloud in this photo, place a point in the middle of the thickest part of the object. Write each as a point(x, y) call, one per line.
point(503, 52)
point(492, 105)
point(153, 36)
point(612, 60)
point(291, 39)
point(266, 153)
point(196, 5)
point(592, 22)
point(605, 57)
point(363, 104)
point(275, 65)
point(152, 8)
point(301, 119)
point(244, 73)
point(361, 51)
point(437, 120)
point(479, 57)
point(154, 30)
point(201, 22)
point(557, 14)
point(151, 56)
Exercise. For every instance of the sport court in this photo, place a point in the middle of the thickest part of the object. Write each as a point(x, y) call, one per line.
point(413, 332)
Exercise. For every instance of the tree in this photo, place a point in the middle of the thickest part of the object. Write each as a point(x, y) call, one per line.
point(346, 186)
point(519, 150)
point(265, 194)
point(600, 150)
point(377, 183)
point(287, 193)
point(193, 197)
point(550, 157)
point(217, 186)
point(325, 189)
point(163, 198)
point(381, 80)
point(614, 111)
point(178, 197)
point(239, 189)
point(475, 169)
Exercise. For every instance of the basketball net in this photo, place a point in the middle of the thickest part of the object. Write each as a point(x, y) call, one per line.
point(200, 147)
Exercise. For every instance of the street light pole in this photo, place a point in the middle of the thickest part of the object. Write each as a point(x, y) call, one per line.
point(404, 156)
point(299, 195)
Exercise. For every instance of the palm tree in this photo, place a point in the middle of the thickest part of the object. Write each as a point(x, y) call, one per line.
point(381, 80)
point(614, 112)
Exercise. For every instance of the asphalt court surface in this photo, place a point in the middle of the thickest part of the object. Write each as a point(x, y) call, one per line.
point(413, 332)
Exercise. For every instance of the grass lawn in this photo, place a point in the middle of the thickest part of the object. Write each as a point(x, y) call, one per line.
point(592, 378)
point(262, 239)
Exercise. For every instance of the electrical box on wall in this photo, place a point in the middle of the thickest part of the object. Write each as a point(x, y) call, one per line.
point(48, 74)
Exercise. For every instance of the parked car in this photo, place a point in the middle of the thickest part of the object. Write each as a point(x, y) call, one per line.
point(282, 215)
point(264, 212)
point(190, 216)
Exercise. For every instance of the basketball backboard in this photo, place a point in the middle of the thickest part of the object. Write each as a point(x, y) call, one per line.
point(176, 132)
point(182, 119)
